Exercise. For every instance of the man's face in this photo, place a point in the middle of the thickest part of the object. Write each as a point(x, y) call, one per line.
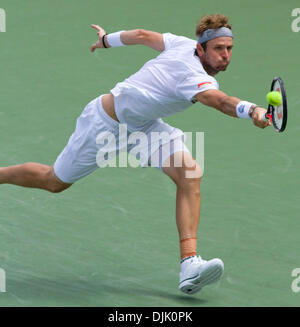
point(217, 55)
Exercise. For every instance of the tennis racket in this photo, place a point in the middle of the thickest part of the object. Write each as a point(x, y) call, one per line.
point(278, 114)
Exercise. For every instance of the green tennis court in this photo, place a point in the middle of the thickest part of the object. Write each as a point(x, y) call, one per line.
point(111, 239)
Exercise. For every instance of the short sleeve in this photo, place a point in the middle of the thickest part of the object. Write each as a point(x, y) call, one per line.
point(172, 40)
point(190, 86)
point(168, 38)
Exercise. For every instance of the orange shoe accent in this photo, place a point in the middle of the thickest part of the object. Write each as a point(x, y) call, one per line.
point(188, 247)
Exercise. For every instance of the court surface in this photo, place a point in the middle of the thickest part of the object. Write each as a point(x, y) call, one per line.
point(111, 239)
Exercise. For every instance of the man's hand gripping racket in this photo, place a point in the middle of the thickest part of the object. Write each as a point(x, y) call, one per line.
point(259, 117)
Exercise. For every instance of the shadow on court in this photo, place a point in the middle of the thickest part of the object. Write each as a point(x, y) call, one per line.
point(36, 291)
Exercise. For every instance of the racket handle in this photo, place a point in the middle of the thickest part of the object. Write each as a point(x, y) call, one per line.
point(267, 117)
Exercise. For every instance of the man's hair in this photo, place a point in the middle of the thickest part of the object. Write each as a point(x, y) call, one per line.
point(211, 22)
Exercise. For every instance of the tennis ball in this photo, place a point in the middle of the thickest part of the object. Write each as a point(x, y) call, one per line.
point(274, 98)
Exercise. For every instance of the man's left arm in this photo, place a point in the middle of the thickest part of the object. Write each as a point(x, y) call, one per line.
point(150, 39)
point(227, 104)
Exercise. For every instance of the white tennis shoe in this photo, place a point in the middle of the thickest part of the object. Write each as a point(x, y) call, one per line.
point(199, 273)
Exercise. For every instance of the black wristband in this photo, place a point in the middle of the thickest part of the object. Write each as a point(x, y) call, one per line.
point(251, 111)
point(103, 41)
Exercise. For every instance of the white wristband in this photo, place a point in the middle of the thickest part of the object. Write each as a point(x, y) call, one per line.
point(242, 109)
point(114, 39)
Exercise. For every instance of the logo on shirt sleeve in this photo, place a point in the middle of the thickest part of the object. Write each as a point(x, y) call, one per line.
point(199, 85)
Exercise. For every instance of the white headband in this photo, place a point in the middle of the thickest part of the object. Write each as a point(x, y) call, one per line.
point(211, 34)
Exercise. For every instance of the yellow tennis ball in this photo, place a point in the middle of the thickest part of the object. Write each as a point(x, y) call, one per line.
point(274, 98)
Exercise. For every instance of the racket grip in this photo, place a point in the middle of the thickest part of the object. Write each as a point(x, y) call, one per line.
point(267, 117)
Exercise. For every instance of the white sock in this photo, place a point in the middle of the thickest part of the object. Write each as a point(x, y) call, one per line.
point(185, 262)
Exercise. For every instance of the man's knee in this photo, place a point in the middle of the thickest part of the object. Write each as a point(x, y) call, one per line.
point(57, 188)
point(190, 177)
point(192, 174)
point(54, 184)
point(187, 175)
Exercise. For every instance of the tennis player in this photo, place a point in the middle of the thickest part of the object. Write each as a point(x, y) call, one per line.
point(181, 75)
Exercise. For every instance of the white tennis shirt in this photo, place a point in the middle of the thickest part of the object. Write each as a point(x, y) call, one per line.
point(164, 86)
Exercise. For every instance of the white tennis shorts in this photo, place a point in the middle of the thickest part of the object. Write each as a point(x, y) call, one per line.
point(82, 155)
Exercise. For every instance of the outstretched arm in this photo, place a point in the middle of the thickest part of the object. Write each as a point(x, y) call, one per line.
point(151, 39)
point(227, 104)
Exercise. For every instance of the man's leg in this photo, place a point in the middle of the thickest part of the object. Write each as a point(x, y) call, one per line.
point(195, 272)
point(187, 200)
point(77, 159)
point(34, 175)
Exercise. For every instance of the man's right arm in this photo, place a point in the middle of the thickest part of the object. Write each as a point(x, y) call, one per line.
point(227, 104)
point(151, 39)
